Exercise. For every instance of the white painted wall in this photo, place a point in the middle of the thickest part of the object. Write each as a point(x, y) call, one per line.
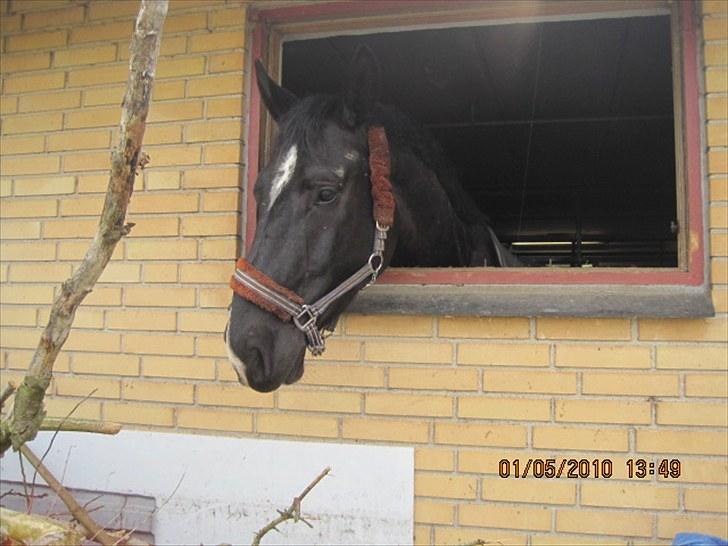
point(230, 487)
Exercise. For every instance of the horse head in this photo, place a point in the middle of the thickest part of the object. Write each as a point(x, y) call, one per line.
point(315, 223)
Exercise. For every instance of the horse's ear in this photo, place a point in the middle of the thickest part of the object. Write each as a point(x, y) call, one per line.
point(276, 99)
point(362, 86)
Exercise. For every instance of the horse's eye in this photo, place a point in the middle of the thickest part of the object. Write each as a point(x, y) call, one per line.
point(326, 195)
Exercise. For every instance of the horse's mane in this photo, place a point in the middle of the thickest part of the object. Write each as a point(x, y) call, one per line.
point(303, 126)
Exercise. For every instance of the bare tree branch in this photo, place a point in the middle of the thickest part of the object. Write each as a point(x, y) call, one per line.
point(292, 512)
point(28, 411)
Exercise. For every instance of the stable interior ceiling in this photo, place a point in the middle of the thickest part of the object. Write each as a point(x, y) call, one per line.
point(562, 132)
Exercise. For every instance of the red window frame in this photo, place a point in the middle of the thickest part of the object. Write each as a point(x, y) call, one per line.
point(693, 273)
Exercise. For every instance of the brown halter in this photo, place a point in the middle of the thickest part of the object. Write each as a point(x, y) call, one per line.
point(258, 288)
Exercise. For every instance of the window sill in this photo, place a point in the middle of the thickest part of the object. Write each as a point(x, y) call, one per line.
point(666, 301)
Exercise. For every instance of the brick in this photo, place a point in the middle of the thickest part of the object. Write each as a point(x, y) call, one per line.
point(223, 153)
point(21, 165)
point(718, 244)
point(603, 411)
point(590, 439)
point(717, 161)
point(668, 525)
point(602, 522)
point(84, 56)
point(205, 273)
point(85, 318)
point(202, 321)
point(390, 430)
point(434, 512)
point(9, 106)
point(219, 249)
point(179, 393)
point(718, 217)
point(471, 434)
point(163, 203)
point(5, 186)
point(502, 354)
point(165, 273)
point(92, 183)
point(50, 273)
point(720, 300)
point(62, 407)
point(483, 327)
point(155, 227)
point(716, 81)
point(487, 461)
point(409, 352)
point(211, 345)
point(79, 140)
point(333, 402)
point(185, 22)
point(161, 249)
point(20, 338)
point(28, 294)
point(227, 62)
point(706, 385)
point(213, 130)
point(18, 316)
point(583, 328)
point(148, 296)
point(85, 77)
point(518, 409)
point(54, 18)
point(25, 62)
point(180, 67)
point(36, 40)
point(338, 349)
point(445, 486)
point(603, 356)
point(388, 325)
point(81, 206)
point(105, 364)
point(624, 384)
point(238, 396)
point(713, 499)
point(693, 357)
point(297, 425)
point(682, 441)
point(463, 536)
point(162, 180)
point(410, 405)
point(167, 90)
point(94, 388)
point(112, 9)
point(162, 134)
point(717, 106)
point(715, 28)
point(225, 84)
point(529, 490)
point(22, 145)
point(99, 96)
point(530, 381)
point(175, 111)
point(69, 229)
point(120, 273)
point(33, 123)
point(99, 342)
point(716, 54)
point(434, 379)
point(103, 33)
point(207, 225)
point(623, 495)
point(176, 367)
point(717, 134)
point(221, 201)
point(205, 419)
point(703, 470)
point(93, 117)
point(89, 161)
point(19, 230)
point(217, 41)
point(27, 252)
point(692, 413)
point(228, 177)
point(141, 319)
point(49, 101)
point(139, 414)
point(427, 458)
point(227, 17)
point(224, 107)
point(521, 517)
point(714, 6)
point(344, 376)
point(158, 344)
point(104, 297)
point(719, 271)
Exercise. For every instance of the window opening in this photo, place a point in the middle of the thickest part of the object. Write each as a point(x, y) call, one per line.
point(561, 131)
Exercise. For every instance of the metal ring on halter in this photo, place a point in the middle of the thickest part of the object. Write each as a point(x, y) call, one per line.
point(312, 315)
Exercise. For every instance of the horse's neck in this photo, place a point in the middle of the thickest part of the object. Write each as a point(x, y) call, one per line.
point(430, 233)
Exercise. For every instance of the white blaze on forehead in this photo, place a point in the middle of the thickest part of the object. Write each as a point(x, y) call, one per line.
point(283, 175)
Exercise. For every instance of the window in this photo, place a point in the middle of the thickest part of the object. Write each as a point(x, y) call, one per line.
point(574, 126)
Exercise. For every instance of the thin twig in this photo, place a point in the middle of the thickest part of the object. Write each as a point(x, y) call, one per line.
point(93, 531)
point(7, 393)
point(292, 512)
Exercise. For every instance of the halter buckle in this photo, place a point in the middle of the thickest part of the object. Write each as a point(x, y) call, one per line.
point(310, 314)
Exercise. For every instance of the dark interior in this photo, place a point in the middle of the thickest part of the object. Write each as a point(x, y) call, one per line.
point(562, 132)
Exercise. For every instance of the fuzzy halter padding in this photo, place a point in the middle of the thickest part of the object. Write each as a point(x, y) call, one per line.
point(379, 167)
point(253, 297)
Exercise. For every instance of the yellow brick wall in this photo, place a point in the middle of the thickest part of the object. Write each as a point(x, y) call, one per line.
point(464, 392)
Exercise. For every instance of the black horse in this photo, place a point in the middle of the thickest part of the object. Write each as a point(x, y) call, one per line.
point(314, 214)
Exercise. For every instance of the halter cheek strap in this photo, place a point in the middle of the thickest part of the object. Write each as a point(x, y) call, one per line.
point(256, 287)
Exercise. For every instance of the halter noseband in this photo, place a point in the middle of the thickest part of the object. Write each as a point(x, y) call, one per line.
point(256, 287)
